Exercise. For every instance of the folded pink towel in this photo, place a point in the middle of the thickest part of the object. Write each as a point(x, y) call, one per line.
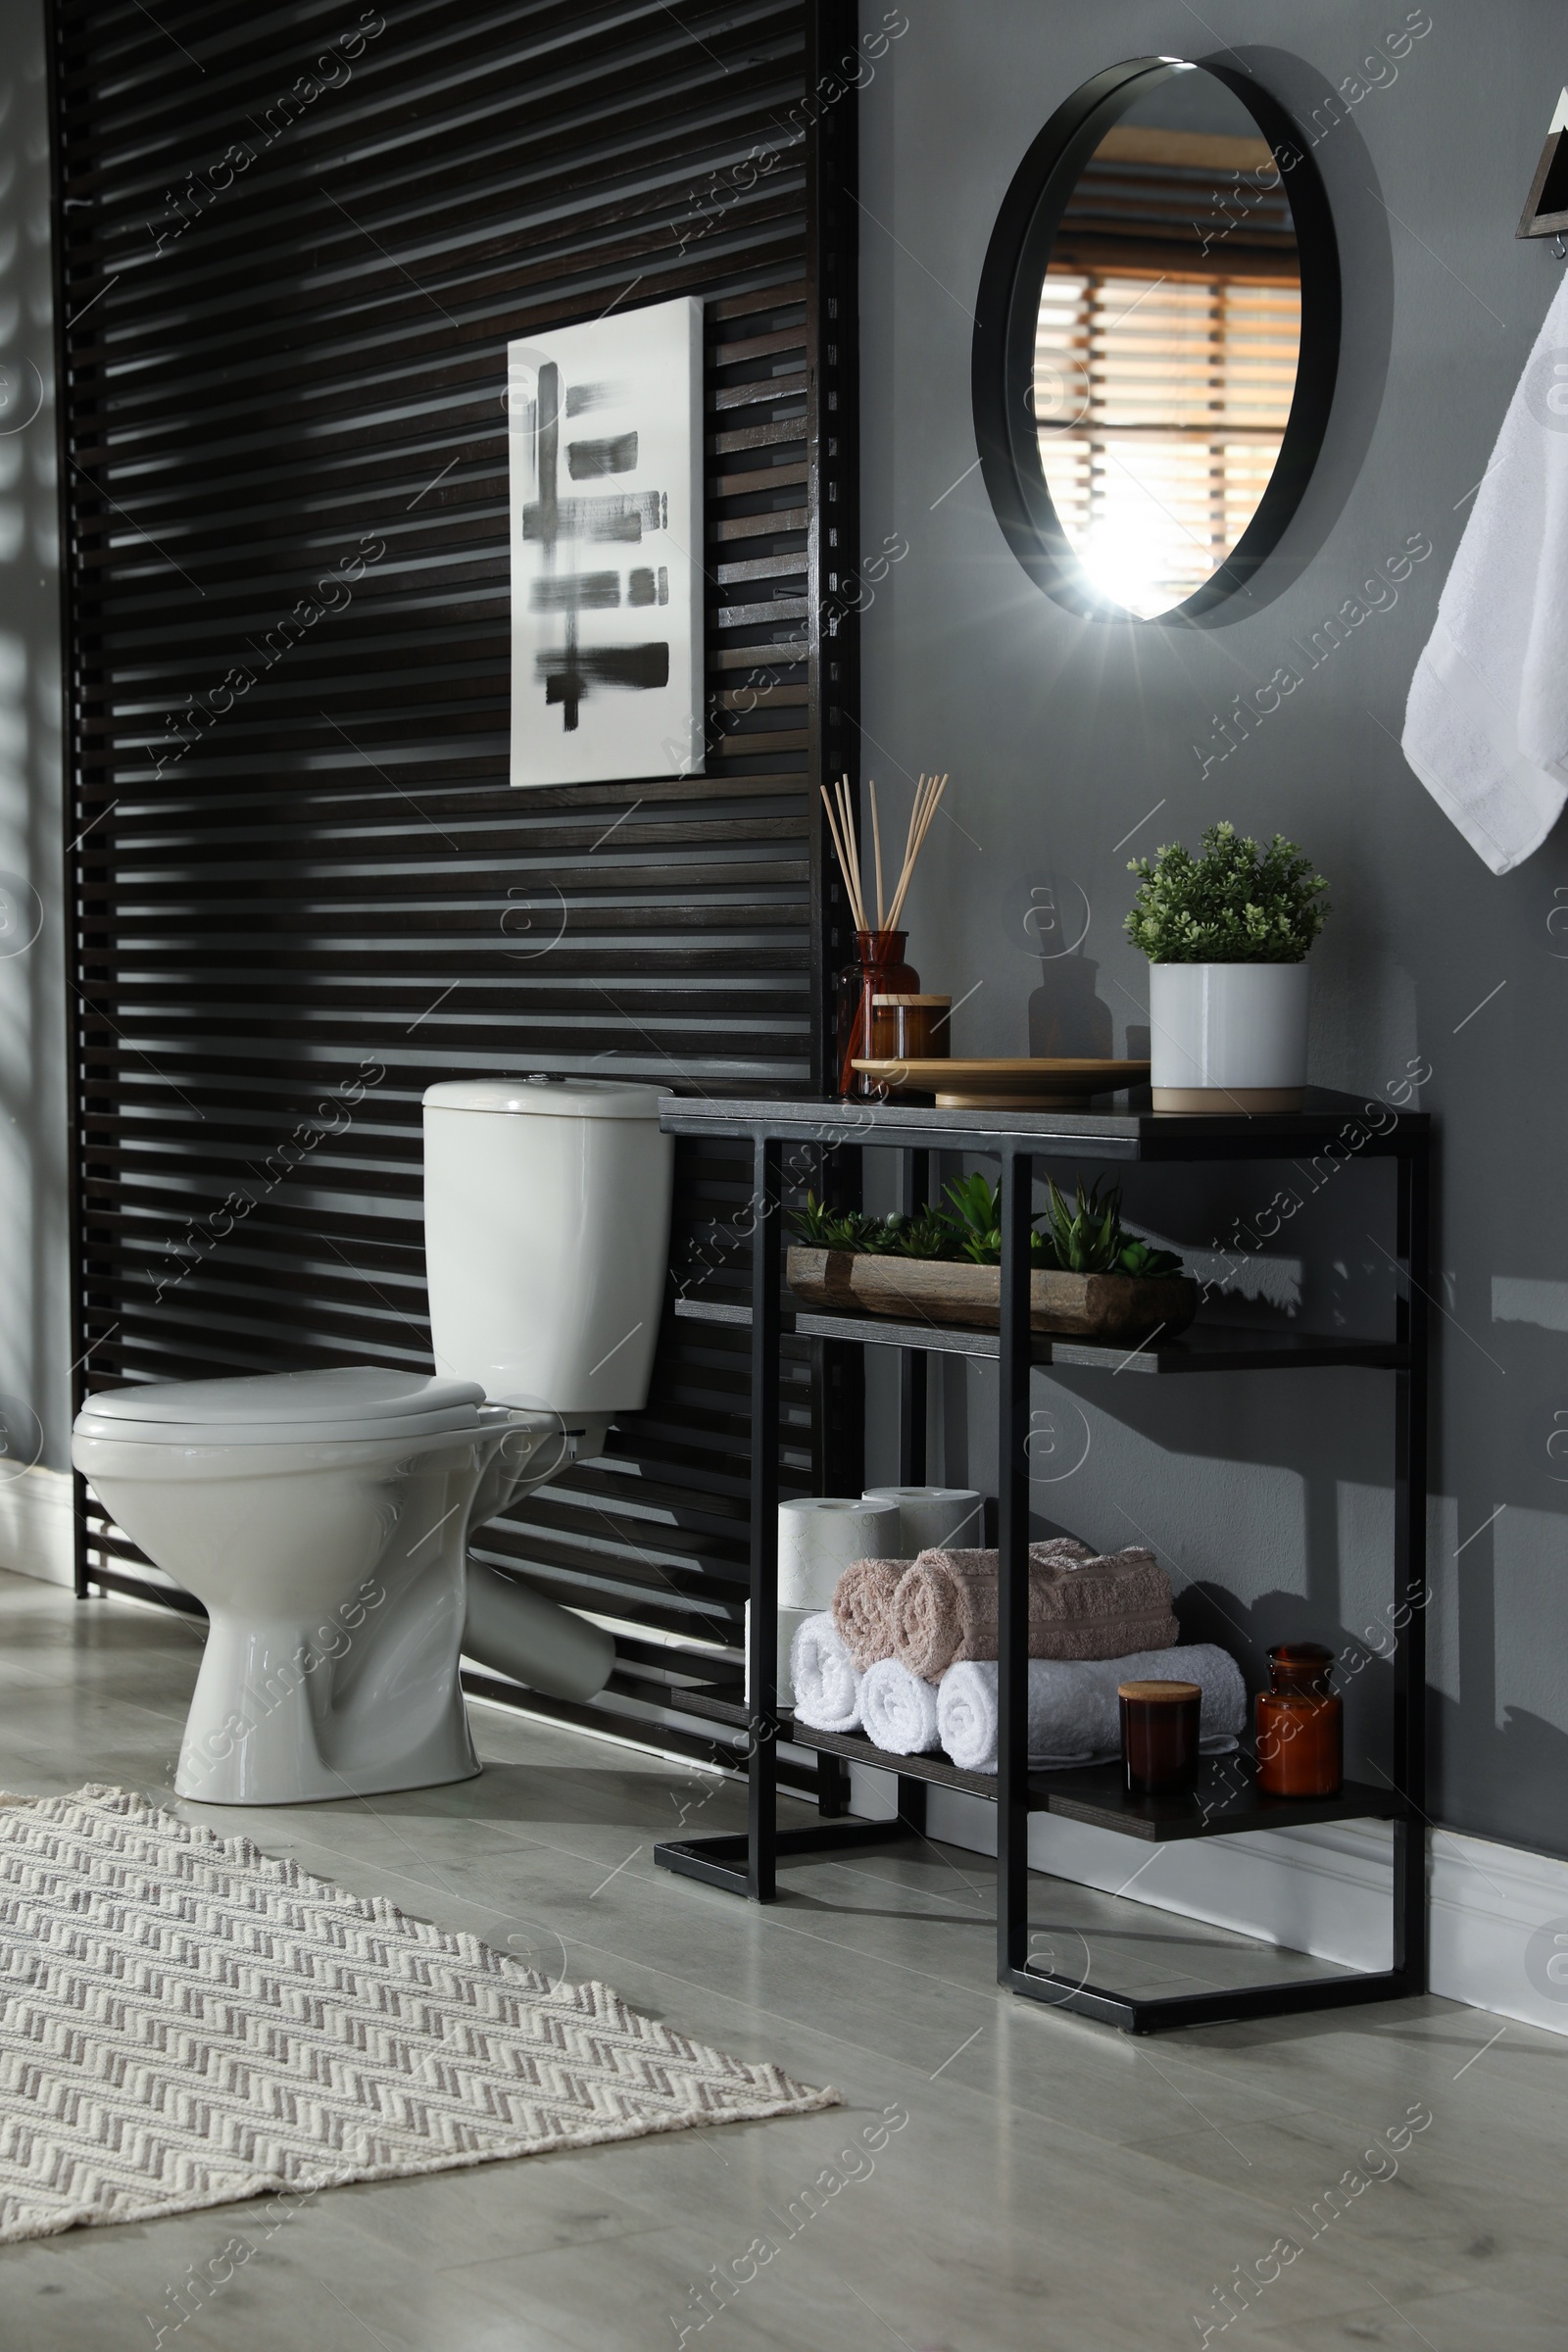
point(862, 1610)
point(1080, 1606)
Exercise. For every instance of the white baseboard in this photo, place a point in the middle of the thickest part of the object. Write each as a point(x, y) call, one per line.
point(1498, 1912)
point(1493, 1908)
point(36, 1535)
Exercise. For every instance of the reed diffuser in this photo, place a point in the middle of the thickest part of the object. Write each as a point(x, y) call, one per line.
point(879, 968)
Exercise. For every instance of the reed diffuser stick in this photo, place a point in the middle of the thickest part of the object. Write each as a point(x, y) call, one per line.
point(909, 836)
point(847, 865)
point(933, 801)
point(852, 839)
point(876, 840)
point(927, 802)
point(846, 841)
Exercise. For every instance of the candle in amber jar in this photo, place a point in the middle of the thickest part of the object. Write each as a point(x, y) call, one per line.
point(910, 1028)
point(1159, 1724)
point(1300, 1723)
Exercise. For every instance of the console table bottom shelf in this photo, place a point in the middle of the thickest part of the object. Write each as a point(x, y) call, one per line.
point(1223, 1804)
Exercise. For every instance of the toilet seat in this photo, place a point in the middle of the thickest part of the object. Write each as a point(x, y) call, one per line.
point(287, 1408)
point(324, 1519)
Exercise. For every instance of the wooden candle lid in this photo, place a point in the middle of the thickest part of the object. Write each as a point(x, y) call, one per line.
point(1166, 1694)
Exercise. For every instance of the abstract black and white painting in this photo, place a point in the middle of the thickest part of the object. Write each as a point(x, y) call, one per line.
point(605, 435)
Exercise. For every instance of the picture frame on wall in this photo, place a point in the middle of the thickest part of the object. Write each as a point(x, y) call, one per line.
point(604, 464)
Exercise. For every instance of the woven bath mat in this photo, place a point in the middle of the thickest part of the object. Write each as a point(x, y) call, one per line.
point(185, 2021)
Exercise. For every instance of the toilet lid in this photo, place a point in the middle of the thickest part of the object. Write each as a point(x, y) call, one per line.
point(539, 1096)
point(283, 1408)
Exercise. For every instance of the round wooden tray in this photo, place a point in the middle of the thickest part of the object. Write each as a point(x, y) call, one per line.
point(1042, 1082)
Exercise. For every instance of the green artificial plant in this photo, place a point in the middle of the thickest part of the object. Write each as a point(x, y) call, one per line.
point(1233, 903)
point(1085, 1237)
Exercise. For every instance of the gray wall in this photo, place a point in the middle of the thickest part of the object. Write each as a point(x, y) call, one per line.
point(35, 1320)
point(1270, 1500)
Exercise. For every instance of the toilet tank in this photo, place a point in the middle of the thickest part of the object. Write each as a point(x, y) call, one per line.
point(547, 1238)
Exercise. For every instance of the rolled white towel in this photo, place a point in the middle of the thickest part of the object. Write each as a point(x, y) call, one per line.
point(1072, 1702)
point(1213, 1669)
point(828, 1685)
point(898, 1711)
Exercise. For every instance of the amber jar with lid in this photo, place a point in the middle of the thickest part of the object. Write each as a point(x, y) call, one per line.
point(878, 970)
point(1159, 1731)
point(910, 1028)
point(1300, 1723)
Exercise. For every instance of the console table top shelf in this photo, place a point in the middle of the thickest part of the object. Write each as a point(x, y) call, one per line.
point(1122, 1126)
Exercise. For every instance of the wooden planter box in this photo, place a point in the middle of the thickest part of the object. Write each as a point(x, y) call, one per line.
point(1083, 1306)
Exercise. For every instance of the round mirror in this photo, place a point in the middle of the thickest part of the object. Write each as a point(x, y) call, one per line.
point(1158, 340)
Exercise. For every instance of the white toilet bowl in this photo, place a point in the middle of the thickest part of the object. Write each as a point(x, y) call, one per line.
point(323, 1517)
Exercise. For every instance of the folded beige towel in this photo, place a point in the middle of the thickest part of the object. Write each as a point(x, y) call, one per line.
point(1080, 1606)
point(862, 1610)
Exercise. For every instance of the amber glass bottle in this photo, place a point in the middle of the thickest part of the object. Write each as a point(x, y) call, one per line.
point(878, 970)
point(1300, 1723)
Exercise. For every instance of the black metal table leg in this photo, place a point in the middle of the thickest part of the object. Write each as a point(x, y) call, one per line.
point(1408, 1974)
point(1410, 1933)
point(914, 1191)
point(1159, 2013)
point(749, 1864)
point(761, 1694)
point(1012, 1560)
point(832, 1785)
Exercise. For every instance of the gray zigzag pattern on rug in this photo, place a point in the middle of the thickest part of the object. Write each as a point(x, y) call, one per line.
point(188, 2022)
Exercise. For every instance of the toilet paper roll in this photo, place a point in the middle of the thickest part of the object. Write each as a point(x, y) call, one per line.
point(935, 1518)
point(821, 1536)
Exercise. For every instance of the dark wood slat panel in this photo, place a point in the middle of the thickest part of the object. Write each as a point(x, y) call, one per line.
point(336, 877)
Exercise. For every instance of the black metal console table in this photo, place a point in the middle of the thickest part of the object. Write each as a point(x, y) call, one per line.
point(747, 1863)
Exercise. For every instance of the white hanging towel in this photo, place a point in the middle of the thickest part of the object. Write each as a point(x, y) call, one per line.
point(1485, 728)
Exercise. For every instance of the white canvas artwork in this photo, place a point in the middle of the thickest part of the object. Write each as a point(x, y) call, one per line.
point(604, 438)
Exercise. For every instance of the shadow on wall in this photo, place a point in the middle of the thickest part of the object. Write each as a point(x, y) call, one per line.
point(1050, 919)
point(1525, 1752)
point(1269, 1498)
point(1493, 1618)
point(1066, 1015)
point(35, 1324)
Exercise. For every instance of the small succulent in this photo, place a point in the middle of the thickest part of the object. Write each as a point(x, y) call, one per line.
point(1090, 1237)
point(975, 1220)
point(927, 1235)
point(1143, 1258)
point(1087, 1238)
point(882, 1237)
point(827, 1228)
point(975, 1223)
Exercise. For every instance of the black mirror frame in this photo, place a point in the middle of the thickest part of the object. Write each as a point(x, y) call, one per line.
point(1002, 352)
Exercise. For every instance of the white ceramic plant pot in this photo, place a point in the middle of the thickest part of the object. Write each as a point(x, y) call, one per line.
point(1228, 1037)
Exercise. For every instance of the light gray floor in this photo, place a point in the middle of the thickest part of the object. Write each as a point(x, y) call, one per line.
point(1056, 2187)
